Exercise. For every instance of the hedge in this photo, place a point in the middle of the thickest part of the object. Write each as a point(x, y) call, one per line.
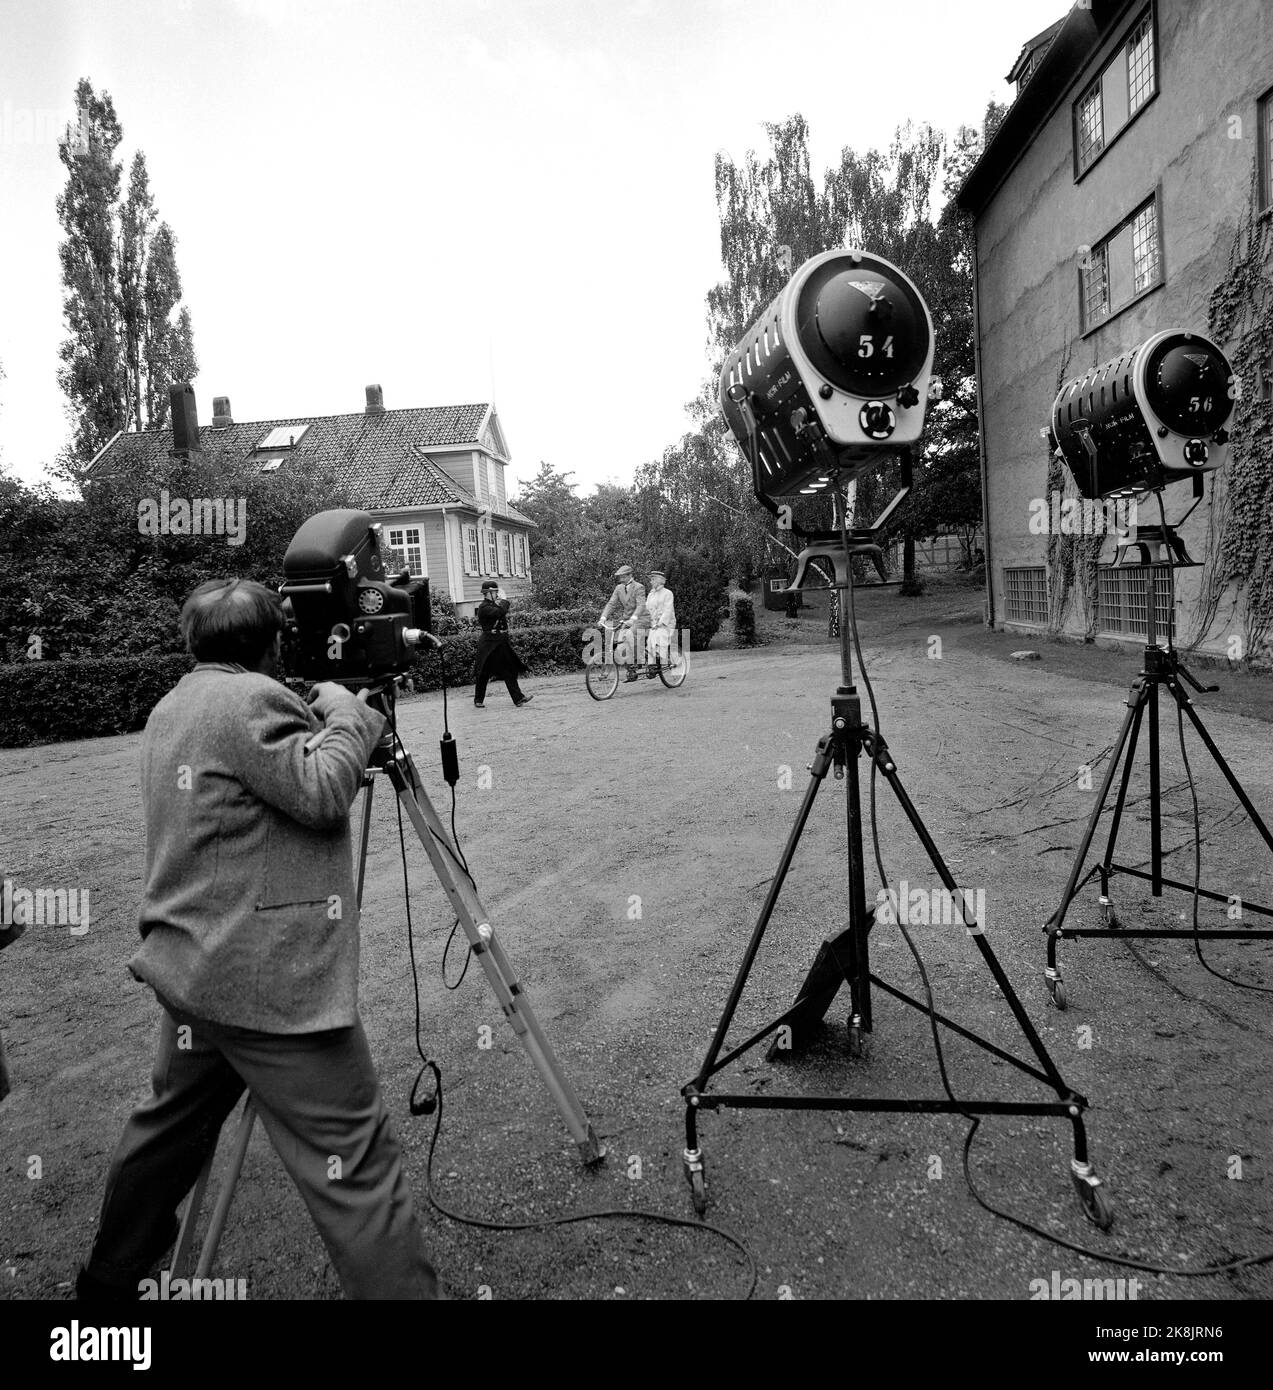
point(82, 697)
point(91, 697)
point(519, 619)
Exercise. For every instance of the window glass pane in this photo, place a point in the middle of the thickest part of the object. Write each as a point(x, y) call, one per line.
point(1114, 96)
point(1145, 248)
point(1266, 154)
point(1140, 65)
point(1119, 259)
point(1095, 289)
point(1090, 130)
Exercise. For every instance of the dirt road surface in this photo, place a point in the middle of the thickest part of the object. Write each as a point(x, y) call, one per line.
point(623, 850)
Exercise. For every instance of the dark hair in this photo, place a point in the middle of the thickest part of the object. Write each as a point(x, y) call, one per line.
point(231, 620)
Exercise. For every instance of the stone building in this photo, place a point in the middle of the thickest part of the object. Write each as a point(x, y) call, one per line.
point(1105, 208)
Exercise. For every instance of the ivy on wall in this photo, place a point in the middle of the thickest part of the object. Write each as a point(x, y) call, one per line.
point(1240, 313)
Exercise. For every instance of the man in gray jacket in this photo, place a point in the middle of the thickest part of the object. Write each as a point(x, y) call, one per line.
point(249, 931)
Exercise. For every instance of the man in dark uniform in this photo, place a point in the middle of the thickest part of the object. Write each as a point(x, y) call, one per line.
point(496, 659)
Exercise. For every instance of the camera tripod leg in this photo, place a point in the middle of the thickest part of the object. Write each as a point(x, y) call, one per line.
point(468, 908)
point(184, 1248)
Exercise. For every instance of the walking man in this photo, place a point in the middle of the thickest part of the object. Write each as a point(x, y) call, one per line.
point(496, 659)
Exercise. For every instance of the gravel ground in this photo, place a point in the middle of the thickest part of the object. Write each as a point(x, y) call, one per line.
point(623, 850)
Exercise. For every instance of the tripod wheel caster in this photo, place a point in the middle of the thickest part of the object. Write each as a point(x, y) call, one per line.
point(1056, 992)
point(1096, 1206)
point(698, 1193)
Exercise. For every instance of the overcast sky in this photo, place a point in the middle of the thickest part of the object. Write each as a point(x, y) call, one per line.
point(463, 200)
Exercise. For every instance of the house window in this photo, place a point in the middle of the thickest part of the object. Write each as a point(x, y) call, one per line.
point(283, 437)
point(408, 549)
point(1025, 594)
point(492, 559)
point(472, 559)
point(1122, 596)
point(1122, 267)
point(1264, 378)
point(1123, 88)
point(505, 553)
point(521, 554)
point(492, 485)
point(1266, 150)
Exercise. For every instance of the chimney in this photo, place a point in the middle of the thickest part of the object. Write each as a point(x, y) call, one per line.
point(185, 418)
point(221, 416)
point(375, 401)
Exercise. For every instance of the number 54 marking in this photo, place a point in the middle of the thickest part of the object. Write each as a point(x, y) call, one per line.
point(866, 345)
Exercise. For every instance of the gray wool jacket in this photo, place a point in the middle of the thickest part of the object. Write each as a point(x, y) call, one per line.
point(248, 914)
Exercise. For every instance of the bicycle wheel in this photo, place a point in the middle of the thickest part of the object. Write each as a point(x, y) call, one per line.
point(673, 670)
point(601, 678)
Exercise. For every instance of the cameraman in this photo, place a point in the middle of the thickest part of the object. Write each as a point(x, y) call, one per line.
point(250, 941)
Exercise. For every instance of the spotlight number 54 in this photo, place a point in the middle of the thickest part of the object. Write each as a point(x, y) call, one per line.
point(866, 345)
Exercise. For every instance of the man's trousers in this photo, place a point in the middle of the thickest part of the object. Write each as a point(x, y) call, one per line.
point(319, 1100)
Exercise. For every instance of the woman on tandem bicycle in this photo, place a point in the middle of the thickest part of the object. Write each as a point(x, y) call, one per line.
point(644, 622)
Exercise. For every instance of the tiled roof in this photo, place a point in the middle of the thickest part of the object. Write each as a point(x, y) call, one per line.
point(383, 457)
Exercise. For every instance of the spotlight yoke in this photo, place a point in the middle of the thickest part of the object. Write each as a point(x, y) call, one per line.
point(347, 620)
point(1153, 416)
point(833, 376)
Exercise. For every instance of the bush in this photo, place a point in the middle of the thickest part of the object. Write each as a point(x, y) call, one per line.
point(697, 588)
point(743, 614)
point(544, 650)
point(52, 701)
point(88, 697)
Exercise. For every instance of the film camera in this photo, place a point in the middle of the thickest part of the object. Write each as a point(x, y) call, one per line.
point(834, 375)
point(1155, 415)
point(347, 619)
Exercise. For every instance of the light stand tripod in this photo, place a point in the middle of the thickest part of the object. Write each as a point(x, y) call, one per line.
point(845, 958)
point(1162, 666)
point(391, 758)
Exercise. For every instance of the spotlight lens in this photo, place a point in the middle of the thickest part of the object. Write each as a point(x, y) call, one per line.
point(1187, 383)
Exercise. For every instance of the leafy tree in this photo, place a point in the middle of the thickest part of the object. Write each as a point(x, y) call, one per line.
point(698, 586)
point(91, 374)
point(881, 201)
point(120, 284)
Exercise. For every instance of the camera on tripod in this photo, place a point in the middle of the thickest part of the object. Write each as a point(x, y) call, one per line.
point(346, 618)
point(833, 376)
point(1154, 415)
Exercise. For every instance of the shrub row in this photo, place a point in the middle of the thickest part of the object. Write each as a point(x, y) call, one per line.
point(90, 697)
point(518, 619)
point(82, 697)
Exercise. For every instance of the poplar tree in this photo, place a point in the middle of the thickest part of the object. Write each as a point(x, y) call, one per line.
point(128, 335)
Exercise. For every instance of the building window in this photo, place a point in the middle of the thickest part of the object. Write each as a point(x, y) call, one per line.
point(1122, 266)
point(283, 437)
point(505, 553)
point(1124, 86)
point(1025, 594)
point(492, 486)
point(407, 549)
point(1122, 605)
point(1266, 150)
point(521, 555)
point(472, 559)
point(492, 559)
